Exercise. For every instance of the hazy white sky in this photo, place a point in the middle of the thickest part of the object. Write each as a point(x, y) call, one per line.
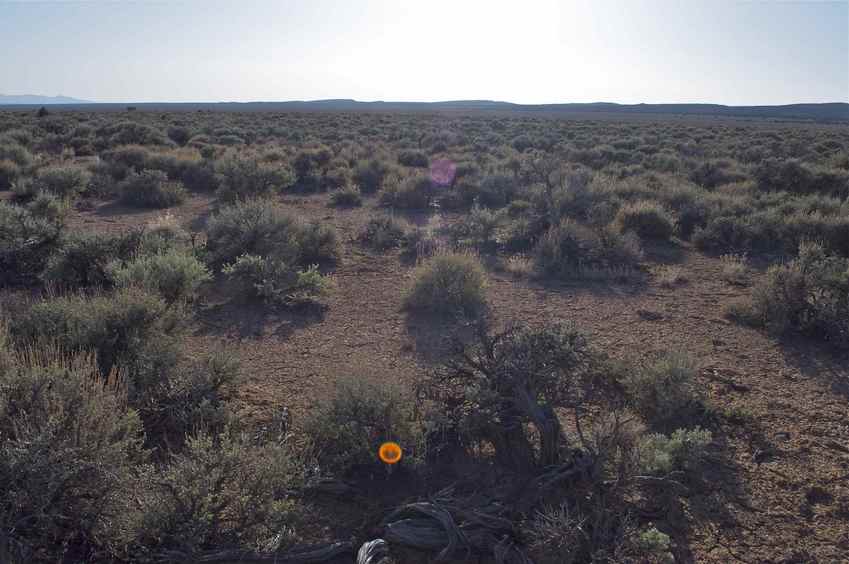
point(528, 51)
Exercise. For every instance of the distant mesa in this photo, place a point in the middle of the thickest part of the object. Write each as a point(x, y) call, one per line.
point(837, 111)
point(34, 99)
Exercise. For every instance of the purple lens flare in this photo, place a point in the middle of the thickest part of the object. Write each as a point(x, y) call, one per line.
point(442, 172)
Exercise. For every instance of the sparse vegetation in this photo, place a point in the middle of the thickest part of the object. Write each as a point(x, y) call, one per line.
point(449, 283)
point(170, 390)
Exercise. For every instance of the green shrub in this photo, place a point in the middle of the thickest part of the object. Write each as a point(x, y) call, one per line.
point(220, 490)
point(18, 154)
point(713, 173)
point(26, 242)
point(48, 207)
point(809, 295)
point(126, 159)
point(276, 282)
point(415, 192)
point(369, 175)
point(649, 220)
point(318, 244)
point(9, 173)
point(663, 392)
point(257, 228)
point(179, 134)
point(199, 176)
point(496, 191)
point(572, 249)
point(797, 177)
point(724, 234)
point(360, 414)
point(174, 275)
point(680, 451)
point(382, 233)
point(65, 182)
point(189, 395)
point(413, 159)
point(505, 394)
point(163, 234)
point(69, 453)
point(152, 189)
point(349, 197)
point(130, 329)
point(83, 260)
point(734, 269)
point(449, 283)
point(244, 179)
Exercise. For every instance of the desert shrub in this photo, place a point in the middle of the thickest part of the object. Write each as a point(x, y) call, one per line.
point(809, 295)
point(415, 192)
point(199, 176)
point(25, 190)
point(310, 165)
point(518, 208)
point(496, 191)
point(663, 392)
point(130, 329)
point(276, 282)
point(124, 160)
point(572, 249)
point(336, 178)
point(669, 276)
point(369, 175)
point(792, 175)
point(64, 182)
point(69, 452)
point(734, 269)
point(647, 219)
point(502, 395)
point(9, 173)
point(48, 207)
point(413, 159)
point(449, 283)
point(318, 244)
point(421, 244)
point(257, 228)
point(220, 490)
point(349, 197)
point(174, 275)
point(152, 189)
point(18, 154)
point(681, 450)
point(163, 234)
point(179, 134)
point(26, 242)
point(479, 227)
point(252, 227)
point(713, 173)
point(360, 414)
point(723, 234)
point(83, 260)
point(189, 395)
point(245, 179)
point(382, 233)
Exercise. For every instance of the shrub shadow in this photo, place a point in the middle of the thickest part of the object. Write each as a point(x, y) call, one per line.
point(246, 319)
point(816, 361)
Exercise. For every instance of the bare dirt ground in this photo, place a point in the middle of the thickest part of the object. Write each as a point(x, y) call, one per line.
point(777, 489)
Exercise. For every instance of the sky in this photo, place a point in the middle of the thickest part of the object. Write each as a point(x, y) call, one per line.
point(525, 51)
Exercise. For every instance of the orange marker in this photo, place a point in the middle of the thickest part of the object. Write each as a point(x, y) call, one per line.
point(390, 452)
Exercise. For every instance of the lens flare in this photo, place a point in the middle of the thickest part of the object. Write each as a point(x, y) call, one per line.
point(390, 453)
point(442, 172)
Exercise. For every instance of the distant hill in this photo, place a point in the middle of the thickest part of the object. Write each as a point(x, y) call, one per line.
point(837, 111)
point(34, 99)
